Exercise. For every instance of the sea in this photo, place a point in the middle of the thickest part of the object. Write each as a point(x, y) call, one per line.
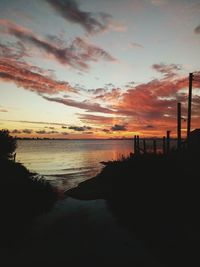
point(66, 163)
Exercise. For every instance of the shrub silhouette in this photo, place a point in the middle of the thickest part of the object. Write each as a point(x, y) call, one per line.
point(8, 144)
point(23, 195)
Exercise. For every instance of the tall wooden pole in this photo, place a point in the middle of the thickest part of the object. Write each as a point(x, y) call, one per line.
point(168, 142)
point(164, 145)
point(178, 126)
point(135, 144)
point(144, 146)
point(138, 144)
point(189, 108)
point(154, 147)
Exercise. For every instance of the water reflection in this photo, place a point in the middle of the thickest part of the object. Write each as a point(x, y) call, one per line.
point(68, 162)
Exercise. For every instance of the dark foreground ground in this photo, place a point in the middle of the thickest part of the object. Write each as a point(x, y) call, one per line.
point(142, 211)
point(155, 198)
point(78, 233)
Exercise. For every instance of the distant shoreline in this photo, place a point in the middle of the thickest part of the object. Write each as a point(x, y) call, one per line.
point(93, 139)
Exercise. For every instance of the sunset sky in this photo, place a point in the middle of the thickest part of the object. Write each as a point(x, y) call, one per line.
point(97, 69)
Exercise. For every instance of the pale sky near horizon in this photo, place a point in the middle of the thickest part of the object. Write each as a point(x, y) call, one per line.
point(88, 69)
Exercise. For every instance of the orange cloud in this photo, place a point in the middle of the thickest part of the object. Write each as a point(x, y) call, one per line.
point(155, 104)
point(23, 76)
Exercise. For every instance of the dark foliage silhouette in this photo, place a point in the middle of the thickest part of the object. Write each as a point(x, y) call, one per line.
point(8, 144)
point(23, 195)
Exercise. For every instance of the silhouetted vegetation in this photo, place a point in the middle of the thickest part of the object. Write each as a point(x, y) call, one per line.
point(157, 198)
point(23, 195)
point(8, 144)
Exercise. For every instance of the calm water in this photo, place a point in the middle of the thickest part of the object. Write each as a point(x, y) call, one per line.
point(68, 162)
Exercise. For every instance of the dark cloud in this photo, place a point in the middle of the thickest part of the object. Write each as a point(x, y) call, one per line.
point(65, 133)
point(109, 85)
point(130, 84)
point(46, 132)
point(89, 107)
point(88, 52)
point(41, 132)
point(110, 95)
point(52, 132)
point(69, 10)
point(197, 29)
point(118, 127)
point(106, 130)
point(77, 54)
point(97, 91)
point(149, 126)
point(27, 131)
point(88, 133)
point(169, 71)
point(79, 128)
point(12, 51)
point(135, 45)
point(15, 131)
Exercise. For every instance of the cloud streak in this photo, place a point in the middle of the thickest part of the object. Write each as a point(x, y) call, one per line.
point(169, 71)
point(80, 128)
point(86, 105)
point(22, 75)
point(10, 51)
point(46, 132)
point(39, 122)
point(118, 127)
point(94, 119)
point(135, 45)
point(27, 131)
point(78, 54)
point(92, 23)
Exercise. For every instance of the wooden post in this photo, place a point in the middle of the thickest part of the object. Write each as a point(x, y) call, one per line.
point(138, 144)
point(178, 126)
point(168, 142)
point(164, 145)
point(154, 147)
point(144, 146)
point(189, 108)
point(135, 144)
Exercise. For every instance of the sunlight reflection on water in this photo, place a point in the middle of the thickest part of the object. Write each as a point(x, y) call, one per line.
point(68, 162)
